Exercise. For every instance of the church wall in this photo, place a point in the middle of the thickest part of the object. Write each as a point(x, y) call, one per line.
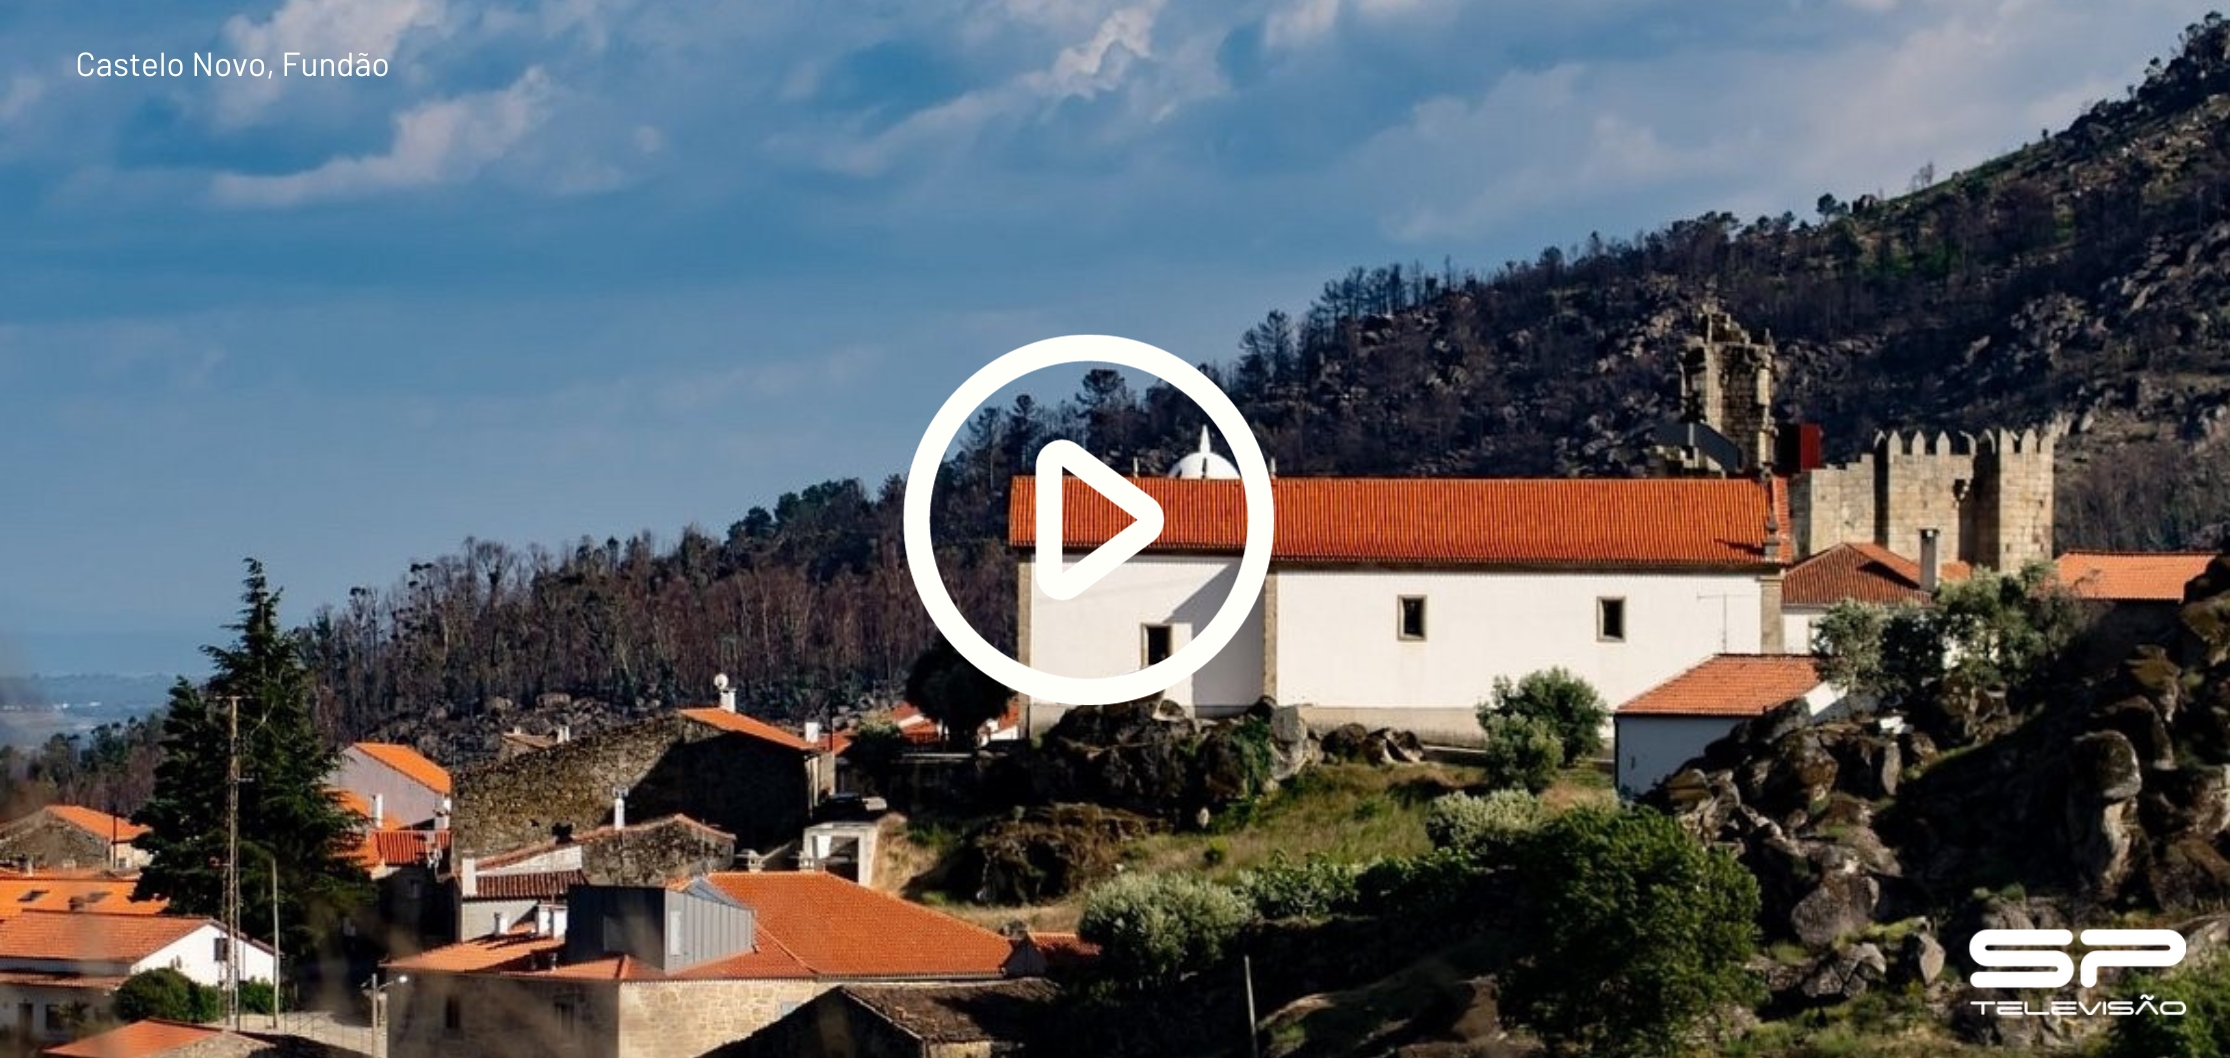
point(1102, 632)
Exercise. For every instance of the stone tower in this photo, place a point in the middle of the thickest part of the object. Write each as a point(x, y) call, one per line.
point(1989, 498)
point(1726, 383)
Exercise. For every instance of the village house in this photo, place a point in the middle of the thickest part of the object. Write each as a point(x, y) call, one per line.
point(1400, 602)
point(1862, 572)
point(58, 967)
point(736, 773)
point(672, 971)
point(497, 891)
point(2129, 597)
point(72, 836)
point(884, 1021)
point(398, 784)
point(1669, 725)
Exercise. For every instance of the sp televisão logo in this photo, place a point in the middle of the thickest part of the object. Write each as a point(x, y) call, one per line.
point(2044, 962)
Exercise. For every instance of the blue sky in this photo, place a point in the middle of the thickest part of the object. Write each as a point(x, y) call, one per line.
point(594, 266)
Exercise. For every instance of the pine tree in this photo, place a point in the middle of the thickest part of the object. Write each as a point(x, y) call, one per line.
point(287, 814)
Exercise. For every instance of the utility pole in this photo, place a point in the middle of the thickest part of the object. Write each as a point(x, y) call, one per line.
point(232, 864)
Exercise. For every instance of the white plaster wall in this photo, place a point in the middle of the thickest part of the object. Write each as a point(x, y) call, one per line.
point(1796, 628)
point(195, 955)
point(1099, 633)
point(406, 801)
point(1338, 642)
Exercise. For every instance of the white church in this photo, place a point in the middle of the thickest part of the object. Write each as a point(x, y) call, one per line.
point(1398, 602)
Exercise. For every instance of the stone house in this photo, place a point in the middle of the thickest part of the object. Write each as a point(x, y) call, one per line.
point(741, 775)
point(495, 892)
point(70, 837)
point(2130, 597)
point(887, 1021)
point(672, 971)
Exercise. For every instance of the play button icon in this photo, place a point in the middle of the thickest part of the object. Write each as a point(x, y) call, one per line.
point(1055, 577)
point(1145, 527)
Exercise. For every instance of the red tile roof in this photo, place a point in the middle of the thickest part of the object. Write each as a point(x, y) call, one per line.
point(1861, 572)
point(836, 928)
point(409, 762)
point(111, 896)
point(744, 725)
point(92, 936)
point(528, 885)
point(1632, 523)
point(93, 821)
point(2132, 576)
point(1063, 950)
point(515, 950)
point(398, 848)
point(140, 1039)
point(49, 979)
point(1730, 685)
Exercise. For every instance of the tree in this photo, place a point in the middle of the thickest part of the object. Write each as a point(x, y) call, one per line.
point(165, 993)
point(285, 806)
point(1566, 703)
point(1154, 928)
point(949, 689)
point(1991, 630)
point(1633, 932)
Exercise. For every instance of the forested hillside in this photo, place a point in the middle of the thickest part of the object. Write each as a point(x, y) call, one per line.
point(2084, 279)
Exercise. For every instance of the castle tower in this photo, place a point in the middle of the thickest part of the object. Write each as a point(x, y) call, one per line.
point(2013, 481)
point(1726, 383)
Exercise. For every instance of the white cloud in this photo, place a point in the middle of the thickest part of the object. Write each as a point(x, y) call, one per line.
point(22, 91)
point(441, 142)
point(1304, 22)
point(317, 29)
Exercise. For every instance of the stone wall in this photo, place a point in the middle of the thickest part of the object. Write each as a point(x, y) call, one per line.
point(685, 1019)
point(498, 1016)
point(652, 855)
point(752, 789)
point(830, 1026)
point(49, 842)
point(1989, 497)
point(2014, 473)
point(1726, 383)
point(1925, 482)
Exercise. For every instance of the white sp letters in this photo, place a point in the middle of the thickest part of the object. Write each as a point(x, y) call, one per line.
point(2045, 965)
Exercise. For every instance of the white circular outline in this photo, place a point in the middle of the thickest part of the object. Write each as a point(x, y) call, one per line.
point(1254, 559)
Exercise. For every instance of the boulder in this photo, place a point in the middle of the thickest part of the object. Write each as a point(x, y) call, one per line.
point(1846, 974)
point(1920, 959)
point(2106, 767)
point(1293, 747)
point(1842, 904)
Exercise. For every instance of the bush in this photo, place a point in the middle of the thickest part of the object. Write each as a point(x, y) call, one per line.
point(1154, 928)
point(168, 994)
point(1486, 828)
point(1633, 934)
point(2202, 1031)
point(256, 997)
point(1522, 753)
point(1568, 704)
point(1316, 889)
point(1439, 883)
point(1991, 630)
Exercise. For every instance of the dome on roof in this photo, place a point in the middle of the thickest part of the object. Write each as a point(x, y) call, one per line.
point(1204, 463)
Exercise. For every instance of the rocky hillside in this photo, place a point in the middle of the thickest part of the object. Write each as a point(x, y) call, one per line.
point(2039, 805)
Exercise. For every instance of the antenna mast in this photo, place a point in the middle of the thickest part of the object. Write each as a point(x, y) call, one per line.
point(232, 863)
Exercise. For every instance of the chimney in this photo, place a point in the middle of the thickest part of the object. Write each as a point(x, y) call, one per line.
point(564, 733)
point(1928, 562)
point(543, 924)
point(77, 903)
point(441, 815)
point(813, 732)
point(379, 811)
point(468, 877)
point(500, 923)
point(1772, 519)
point(619, 807)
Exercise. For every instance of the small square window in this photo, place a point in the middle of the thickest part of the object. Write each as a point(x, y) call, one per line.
point(1610, 620)
point(1412, 615)
point(221, 950)
point(1159, 643)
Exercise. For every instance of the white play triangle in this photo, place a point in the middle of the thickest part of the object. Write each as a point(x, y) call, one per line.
point(1064, 583)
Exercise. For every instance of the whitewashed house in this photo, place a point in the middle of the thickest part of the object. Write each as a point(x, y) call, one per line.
point(58, 969)
point(1665, 727)
point(1398, 602)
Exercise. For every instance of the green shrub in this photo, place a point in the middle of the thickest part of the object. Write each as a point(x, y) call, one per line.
point(1568, 704)
point(1633, 933)
point(256, 996)
point(1484, 828)
point(2202, 1031)
point(1155, 928)
point(1522, 753)
point(1316, 889)
point(1439, 882)
point(168, 994)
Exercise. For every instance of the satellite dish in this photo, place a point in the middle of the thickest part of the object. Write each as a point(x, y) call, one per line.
point(720, 682)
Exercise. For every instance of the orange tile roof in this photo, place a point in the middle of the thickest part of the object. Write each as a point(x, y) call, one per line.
point(397, 848)
point(1634, 523)
point(140, 1039)
point(744, 725)
point(49, 979)
point(530, 885)
point(836, 928)
point(1729, 685)
point(112, 896)
point(514, 950)
point(92, 936)
point(1863, 572)
point(95, 822)
point(410, 762)
point(1063, 950)
point(2132, 576)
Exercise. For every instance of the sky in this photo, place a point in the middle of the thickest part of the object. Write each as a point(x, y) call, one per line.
point(597, 266)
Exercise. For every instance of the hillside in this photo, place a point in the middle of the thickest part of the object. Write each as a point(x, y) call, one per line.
point(2081, 279)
